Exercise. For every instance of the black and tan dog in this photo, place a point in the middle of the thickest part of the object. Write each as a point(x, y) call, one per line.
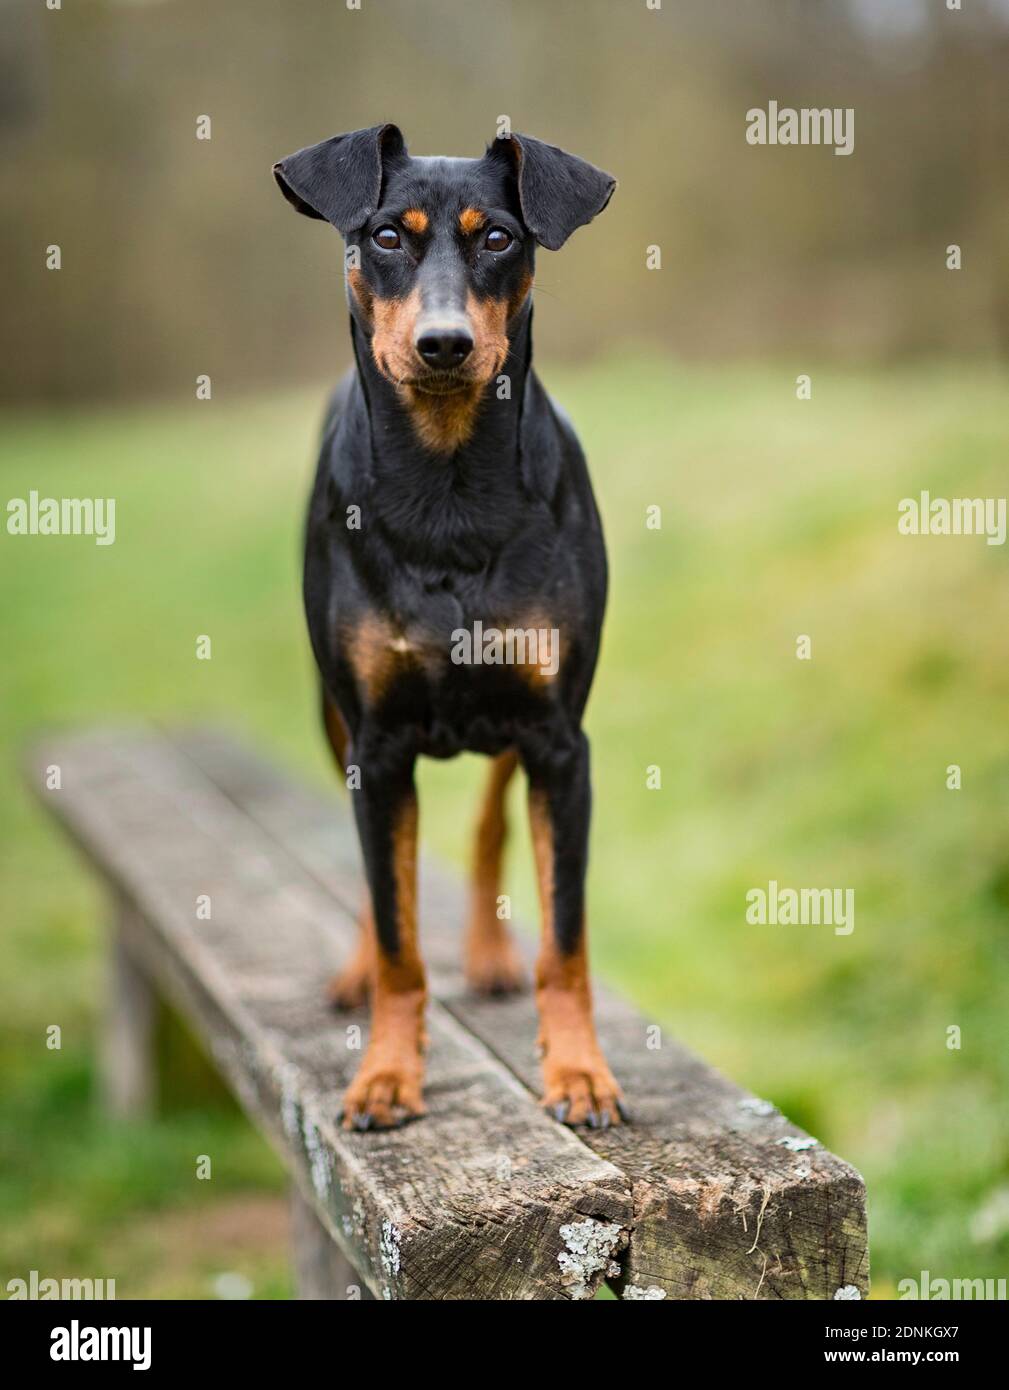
point(452, 502)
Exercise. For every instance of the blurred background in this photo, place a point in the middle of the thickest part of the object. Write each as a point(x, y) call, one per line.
point(179, 258)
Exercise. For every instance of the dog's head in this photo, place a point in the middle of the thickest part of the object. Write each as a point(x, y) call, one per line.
point(441, 251)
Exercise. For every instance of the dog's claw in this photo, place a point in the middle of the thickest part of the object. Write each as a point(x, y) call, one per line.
point(623, 1111)
point(579, 1085)
point(383, 1096)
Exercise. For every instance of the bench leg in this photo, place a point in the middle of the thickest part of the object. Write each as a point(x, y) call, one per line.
point(321, 1270)
point(127, 1056)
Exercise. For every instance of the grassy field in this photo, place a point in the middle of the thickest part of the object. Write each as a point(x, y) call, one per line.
point(778, 519)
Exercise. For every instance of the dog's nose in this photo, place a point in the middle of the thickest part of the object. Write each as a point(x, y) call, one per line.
point(444, 348)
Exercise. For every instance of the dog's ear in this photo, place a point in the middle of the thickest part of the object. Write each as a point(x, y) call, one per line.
point(558, 192)
point(340, 180)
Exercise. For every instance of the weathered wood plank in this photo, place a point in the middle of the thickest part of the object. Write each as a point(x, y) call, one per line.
point(321, 1269)
point(731, 1200)
point(480, 1199)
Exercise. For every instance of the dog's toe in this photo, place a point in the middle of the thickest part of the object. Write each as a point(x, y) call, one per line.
point(584, 1095)
point(382, 1100)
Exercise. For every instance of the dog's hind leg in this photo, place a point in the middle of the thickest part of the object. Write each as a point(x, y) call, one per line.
point(491, 960)
point(349, 988)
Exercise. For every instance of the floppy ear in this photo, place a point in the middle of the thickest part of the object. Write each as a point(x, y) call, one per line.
point(340, 180)
point(558, 192)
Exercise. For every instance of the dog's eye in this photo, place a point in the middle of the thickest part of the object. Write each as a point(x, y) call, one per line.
point(497, 239)
point(386, 237)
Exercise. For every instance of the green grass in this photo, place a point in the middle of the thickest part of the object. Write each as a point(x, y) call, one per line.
point(779, 518)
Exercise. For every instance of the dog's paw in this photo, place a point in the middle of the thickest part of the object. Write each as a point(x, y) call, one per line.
point(348, 989)
point(583, 1093)
point(383, 1097)
point(495, 970)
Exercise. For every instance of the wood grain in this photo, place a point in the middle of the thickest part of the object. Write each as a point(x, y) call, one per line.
point(475, 1201)
point(730, 1199)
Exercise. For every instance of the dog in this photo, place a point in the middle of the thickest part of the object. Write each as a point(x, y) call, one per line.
point(452, 502)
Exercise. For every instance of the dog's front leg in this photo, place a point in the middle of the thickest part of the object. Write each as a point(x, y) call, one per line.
point(388, 1086)
point(578, 1085)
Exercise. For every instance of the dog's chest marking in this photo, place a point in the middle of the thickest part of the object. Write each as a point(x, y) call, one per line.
point(380, 652)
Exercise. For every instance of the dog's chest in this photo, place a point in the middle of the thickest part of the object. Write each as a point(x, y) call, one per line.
point(452, 661)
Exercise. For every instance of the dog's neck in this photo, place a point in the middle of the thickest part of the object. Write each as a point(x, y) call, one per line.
point(402, 421)
point(453, 510)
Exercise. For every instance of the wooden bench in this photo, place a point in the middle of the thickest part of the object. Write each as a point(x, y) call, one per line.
point(711, 1193)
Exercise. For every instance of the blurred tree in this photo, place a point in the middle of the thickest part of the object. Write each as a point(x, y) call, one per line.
point(179, 257)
